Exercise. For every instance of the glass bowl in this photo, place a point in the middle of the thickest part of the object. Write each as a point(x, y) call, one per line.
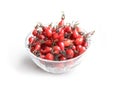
point(54, 66)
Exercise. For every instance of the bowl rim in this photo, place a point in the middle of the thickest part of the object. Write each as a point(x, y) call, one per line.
point(26, 46)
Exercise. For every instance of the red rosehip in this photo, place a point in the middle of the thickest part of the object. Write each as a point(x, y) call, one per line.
point(67, 29)
point(48, 32)
point(81, 49)
point(35, 32)
point(61, 33)
point(73, 47)
point(85, 44)
point(37, 47)
point(32, 49)
point(75, 34)
point(61, 45)
point(49, 56)
point(31, 40)
point(79, 41)
point(48, 42)
point(56, 49)
point(55, 36)
point(61, 38)
point(70, 53)
point(62, 58)
point(41, 36)
point(47, 49)
point(61, 23)
point(67, 42)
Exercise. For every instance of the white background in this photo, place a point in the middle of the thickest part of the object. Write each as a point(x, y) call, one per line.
point(101, 64)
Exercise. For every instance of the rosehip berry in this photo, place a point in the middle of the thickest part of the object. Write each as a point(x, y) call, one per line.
point(55, 36)
point(67, 29)
point(70, 53)
point(81, 49)
point(31, 40)
point(62, 58)
point(48, 42)
point(47, 50)
point(75, 34)
point(42, 51)
point(37, 47)
point(61, 45)
point(85, 44)
point(49, 56)
point(44, 28)
point(48, 32)
point(41, 36)
point(79, 41)
point(61, 23)
point(61, 38)
point(60, 65)
point(61, 33)
point(73, 47)
point(56, 49)
point(35, 32)
point(67, 42)
point(32, 49)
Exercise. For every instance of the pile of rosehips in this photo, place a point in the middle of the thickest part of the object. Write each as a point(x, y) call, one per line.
point(62, 42)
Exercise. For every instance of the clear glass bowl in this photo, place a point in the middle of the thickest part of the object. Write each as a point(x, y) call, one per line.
point(54, 66)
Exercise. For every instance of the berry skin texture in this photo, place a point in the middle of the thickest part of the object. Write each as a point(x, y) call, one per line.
point(47, 50)
point(78, 47)
point(61, 45)
point(32, 49)
point(75, 34)
point(67, 42)
point(48, 32)
point(49, 56)
point(35, 32)
point(56, 49)
point(79, 41)
point(37, 47)
point(85, 44)
point(55, 36)
point(70, 53)
point(48, 42)
point(61, 23)
point(61, 38)
point(62, 58)
point(74, 47)
point(67, 29)
point(41, 36)
point(81, 49)
point(31, 40)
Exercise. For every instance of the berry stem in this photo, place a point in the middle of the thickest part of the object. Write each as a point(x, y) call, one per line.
point(88, 35)
point(63, 16)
